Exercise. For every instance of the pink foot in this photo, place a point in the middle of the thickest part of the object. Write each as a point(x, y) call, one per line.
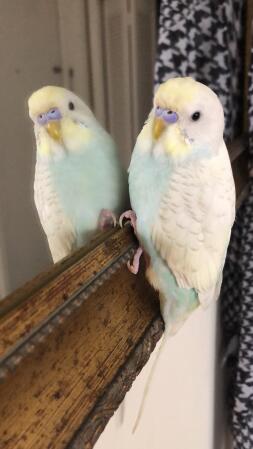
point(134, 266)
point(106, 219)
point(128, 215)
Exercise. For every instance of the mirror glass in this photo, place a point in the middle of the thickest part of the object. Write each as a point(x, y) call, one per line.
point(94, 48)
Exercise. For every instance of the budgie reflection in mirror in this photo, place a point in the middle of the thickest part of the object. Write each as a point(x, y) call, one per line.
point(79, 182)
point(183, 198)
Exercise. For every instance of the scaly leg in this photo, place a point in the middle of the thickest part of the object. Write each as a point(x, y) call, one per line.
point(134, 266)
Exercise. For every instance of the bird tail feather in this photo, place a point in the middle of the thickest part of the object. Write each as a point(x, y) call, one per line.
point(147, 386)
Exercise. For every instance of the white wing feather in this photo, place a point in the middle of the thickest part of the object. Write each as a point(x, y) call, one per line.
point(57, 226)
point(193, 226)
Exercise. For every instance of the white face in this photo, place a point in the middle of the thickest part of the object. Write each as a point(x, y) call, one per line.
point(200, 120)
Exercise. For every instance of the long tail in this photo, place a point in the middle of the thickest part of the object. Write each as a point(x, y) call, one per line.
point(171, 328)
point(146, 389)
point(173, 320)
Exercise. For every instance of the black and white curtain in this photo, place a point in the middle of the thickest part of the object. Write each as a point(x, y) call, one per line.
point(237, 307)
point(204, 39)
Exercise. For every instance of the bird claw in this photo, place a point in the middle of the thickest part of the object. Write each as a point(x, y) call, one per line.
point(128, 215)
point(106, 219)
point(132, 269)
point(134, 266)
point(131, 215)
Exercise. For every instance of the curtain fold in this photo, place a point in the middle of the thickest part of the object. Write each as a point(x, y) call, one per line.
point(237, 306)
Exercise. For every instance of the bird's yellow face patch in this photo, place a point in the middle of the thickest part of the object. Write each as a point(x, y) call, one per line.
point(74, 135)
point(44, 148)
point(175, 143)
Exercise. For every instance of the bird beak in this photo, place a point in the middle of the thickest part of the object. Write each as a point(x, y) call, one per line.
point(158, 127)
point(53, 128)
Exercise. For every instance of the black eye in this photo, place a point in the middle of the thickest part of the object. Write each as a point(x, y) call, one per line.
point(71, 106)
point(196, 116)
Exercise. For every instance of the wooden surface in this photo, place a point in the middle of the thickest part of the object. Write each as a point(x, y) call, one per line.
point(49, 291)
point(62, 393)
point(53, 390)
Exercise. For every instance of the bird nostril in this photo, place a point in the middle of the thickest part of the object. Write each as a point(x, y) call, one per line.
point(54, 114)
point(158, 111)
point(42, 119)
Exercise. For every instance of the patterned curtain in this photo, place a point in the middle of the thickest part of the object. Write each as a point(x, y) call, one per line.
point(237, 308)
point(203, 39)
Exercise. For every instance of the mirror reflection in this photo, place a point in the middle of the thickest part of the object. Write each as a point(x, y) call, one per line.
point(80, 185)
point(74, 97)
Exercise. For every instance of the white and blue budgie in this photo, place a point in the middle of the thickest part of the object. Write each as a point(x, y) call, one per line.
point(79, 182)
point(183, 198)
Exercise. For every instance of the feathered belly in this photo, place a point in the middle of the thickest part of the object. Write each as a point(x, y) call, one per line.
point(47, 201)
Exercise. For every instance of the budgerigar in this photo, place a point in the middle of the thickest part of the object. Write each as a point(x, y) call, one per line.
point(79, 182)
point(183, 198)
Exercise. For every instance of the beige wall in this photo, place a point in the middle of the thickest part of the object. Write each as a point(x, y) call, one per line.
point(29, 49)
point(35, 37)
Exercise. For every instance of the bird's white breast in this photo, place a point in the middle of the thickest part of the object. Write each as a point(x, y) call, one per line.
point(193, 226)
point(56, 224)
point(46, 199)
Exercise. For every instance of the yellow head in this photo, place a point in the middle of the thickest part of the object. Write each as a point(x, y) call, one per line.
point(50, 107)
point(187, 114)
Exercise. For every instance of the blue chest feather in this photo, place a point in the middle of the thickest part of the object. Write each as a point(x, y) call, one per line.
point(148, 179)
point(88, 181)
